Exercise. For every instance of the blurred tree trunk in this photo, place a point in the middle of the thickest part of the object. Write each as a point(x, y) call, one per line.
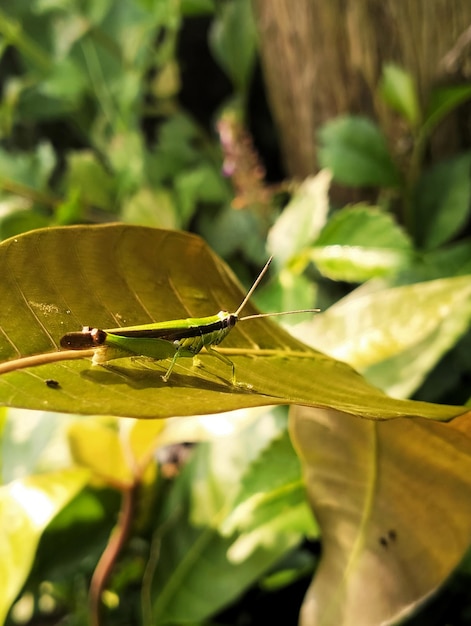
point(322, 58)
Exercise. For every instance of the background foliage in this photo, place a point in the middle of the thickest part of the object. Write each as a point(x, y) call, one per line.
point(138, 111)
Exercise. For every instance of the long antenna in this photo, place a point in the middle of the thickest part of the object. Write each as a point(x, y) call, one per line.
point(254, 286)
point(258, 315)
point(252, 289)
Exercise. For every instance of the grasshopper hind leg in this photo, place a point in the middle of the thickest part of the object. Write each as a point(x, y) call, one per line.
point(182, 352)
point(227, 361)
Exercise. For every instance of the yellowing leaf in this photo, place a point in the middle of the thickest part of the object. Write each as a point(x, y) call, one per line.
point(143, 438)
point(393, 500)
point(99, 448)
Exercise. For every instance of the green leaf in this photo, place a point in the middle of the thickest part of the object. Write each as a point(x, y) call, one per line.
point(151, 207)
point(87, 174)
point(399, 91)
point(452, 260)
point(442, 101)
point(59, 279)
point(70, 210)
point(360, 243)
point(269, 501)
point(76, 537)
point(32, 169)
point(356, 151)
point(395, 336)
point(67, 82)
point(449, 377)
point(288, 291)
point(232, 463)
point(443, 200)
point(21, 221)
point(196, 7)
point(26, 507)
point(33, 443)
point(127, 158)
point(177, 149)
point(230, 231)
point(201, 183)
point(393, 500)
point(302, 219)
point(193, 557)
point(233, 41)
point(191, 547)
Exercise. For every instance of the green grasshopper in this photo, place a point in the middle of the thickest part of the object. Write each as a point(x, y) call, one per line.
point(167, 340)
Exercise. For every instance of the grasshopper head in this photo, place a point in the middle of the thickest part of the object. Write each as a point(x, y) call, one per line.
point(86, 338)
point(229, 320)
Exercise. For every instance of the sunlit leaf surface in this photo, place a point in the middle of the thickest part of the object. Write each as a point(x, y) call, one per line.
point(26, 507)
point(391, 341)
point(61, 279)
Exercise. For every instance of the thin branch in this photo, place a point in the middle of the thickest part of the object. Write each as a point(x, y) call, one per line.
point(111, 553)
point(67, 355)
point(44, 359)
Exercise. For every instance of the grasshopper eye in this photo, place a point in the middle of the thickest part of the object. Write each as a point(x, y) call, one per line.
point(98, 336)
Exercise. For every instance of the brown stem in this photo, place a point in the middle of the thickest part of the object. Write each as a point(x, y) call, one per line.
point(43, 359)
point(110, 554)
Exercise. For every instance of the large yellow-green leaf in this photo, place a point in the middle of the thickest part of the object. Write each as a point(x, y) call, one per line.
point(393, 500)
point(27, 506)
point(391, 341)
point(60, 279)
